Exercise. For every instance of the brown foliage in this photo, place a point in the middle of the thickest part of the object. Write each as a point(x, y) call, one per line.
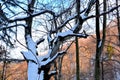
point(15, 71)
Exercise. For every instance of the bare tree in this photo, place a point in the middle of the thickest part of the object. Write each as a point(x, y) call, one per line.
point(46, 15)
point(76, 39)
point(98, 44)
point(103, 37)
point(118, 21)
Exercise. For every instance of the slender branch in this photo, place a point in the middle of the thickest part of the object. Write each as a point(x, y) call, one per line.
point(92, 16)
point(3, 28)
point(90, 4)
point(32, 15)
point(40, 40)
point(12, 60)
point(49, 60)
point(65, 22)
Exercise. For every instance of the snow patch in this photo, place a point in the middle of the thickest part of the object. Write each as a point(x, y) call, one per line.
point(100, 43)
point(29, 56)
point(31, 44)
point(29, 1)
point(32, 71)
point(83, 16)
point(52, 72)
point(41, 75)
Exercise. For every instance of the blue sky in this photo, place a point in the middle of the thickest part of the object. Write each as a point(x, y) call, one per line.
point(49, 4)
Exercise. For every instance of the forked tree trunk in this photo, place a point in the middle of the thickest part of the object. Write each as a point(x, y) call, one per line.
point(35, 70)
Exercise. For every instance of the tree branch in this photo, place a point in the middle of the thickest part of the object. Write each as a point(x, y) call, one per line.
point(3, 28)
point(32, 15)
point(40, 40)
point(92, 16)
point(12, 60)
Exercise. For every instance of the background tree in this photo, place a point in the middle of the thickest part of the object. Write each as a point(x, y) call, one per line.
point(2, 53)
point(103, 36)
point(118, 20)
point(76, 39)
point(98, 44)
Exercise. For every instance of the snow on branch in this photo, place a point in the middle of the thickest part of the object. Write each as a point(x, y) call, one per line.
point(90, 4)
point(71, 33)
point(31, 44)
point(87, 10)
point(82, 17)
point(56, 42)
point(30, 55)
point(52, 73)
point(49, 60)
point(67, 34)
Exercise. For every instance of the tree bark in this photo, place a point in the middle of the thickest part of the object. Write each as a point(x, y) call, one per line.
point(97, 57)
point(118, 21)
point(77, 60)
point(103, 37)
point(76, 39)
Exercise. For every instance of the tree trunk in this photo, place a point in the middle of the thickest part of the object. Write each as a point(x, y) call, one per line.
point(36, 73)
point(60, 67)
point(76, 39)
point(4, 70)
point(77, 60)
point(55, 68)
point(4, 67)
point(97, 57)
point(103, 37)
point(118, 21)
point(35, 70)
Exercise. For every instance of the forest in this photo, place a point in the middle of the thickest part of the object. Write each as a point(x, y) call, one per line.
point(59, 39)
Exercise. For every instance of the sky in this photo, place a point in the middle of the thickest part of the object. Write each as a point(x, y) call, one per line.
point(15, 53)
